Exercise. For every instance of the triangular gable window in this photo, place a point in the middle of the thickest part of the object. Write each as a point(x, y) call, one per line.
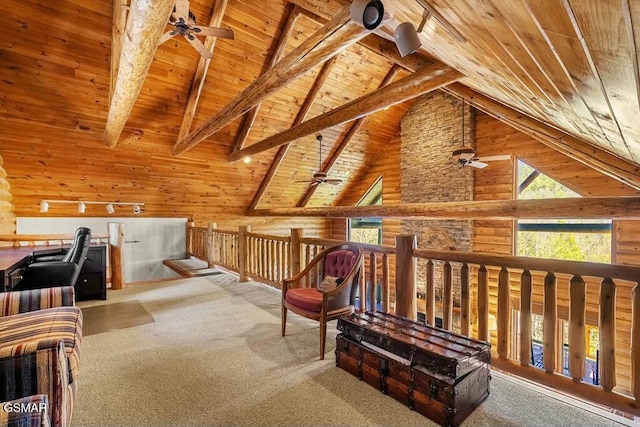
point(567, 239)
point(368, 230)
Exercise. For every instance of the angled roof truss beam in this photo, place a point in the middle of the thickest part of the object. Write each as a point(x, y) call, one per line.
point(422, 81)
point(147, 19)
point(336, 36)
point(250, 117)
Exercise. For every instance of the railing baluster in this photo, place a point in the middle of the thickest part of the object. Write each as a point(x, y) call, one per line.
point(504, 313)
point(577, 315)
point(465, 301)
point(607, 334)
point(550, 325)
point(635, 342)
point(447, 296)
point(373, 270)
point(430, 292)
point(525, 318)
point(362, 289)
point(385, 284)
point(483, 304)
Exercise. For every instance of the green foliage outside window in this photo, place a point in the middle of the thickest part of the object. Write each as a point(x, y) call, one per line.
point(593, 247)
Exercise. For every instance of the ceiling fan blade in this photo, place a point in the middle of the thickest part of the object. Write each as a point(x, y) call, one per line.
point(182, 8)
point(333, 181)
point(493, 158)
point(222, 33)
point(197, 44)
point(477, 165)
point(166, 36)
point(314, 183)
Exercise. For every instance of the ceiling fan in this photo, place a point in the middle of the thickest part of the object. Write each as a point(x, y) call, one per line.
point(320, 177)
point(466, 156)
point(184, 23)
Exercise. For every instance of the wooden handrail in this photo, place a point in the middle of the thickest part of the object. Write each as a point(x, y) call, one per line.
point(592, 269)
point(269, 237)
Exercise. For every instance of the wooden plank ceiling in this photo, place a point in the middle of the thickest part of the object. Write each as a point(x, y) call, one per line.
point(570, 66)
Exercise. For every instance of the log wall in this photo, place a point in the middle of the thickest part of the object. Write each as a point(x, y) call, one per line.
point(498, 237)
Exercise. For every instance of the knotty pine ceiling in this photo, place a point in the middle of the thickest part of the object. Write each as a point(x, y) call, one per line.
point(569, 64)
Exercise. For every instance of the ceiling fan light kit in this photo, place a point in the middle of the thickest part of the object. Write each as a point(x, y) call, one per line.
point(320, 177)
point(466, 156)
point(184, 23)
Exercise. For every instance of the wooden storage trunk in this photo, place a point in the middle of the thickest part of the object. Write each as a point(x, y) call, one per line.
point(441, 375)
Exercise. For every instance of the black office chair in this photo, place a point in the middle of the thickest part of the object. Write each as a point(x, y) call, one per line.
point(57, 270)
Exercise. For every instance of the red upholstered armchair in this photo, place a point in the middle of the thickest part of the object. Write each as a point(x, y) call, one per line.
point(325, 289)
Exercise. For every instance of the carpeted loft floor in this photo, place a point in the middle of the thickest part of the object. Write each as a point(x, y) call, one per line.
point(213, 356)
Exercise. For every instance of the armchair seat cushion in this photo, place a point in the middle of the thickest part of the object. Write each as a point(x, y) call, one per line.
point(309, 299)
point(52, 323)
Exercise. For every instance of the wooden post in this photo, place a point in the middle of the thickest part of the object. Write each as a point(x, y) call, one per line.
point(447, 296)
point(465, 301)
point(607, 334)
point(296, 251)
point(406, 304)
point(373, 277)
point(635, 342)
point(116, 254)
point(577, 314)
point(385, 283)
point(210, 247)
point(504, 313)
point(525, 318)
point(550, 323)
point(189, 238)
point(483, 304)
point(430, 315)
point(362, 289)
point(243, 250)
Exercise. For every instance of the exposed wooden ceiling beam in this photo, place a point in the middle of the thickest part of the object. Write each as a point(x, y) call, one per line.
point(422, 81)
point(581, 151)
point(201, 72)
point(250, 117)
point(302, 114)
point(337, 35)
point(323, 8)
point(120, 11)
point(353, 130)
point(147, 19)
point(388, 49)
point(579, 207)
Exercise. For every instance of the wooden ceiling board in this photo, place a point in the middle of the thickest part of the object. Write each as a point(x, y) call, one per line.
point(613, 61)
point(571, 65)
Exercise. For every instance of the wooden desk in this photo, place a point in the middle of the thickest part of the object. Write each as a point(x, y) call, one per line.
point(91, 283)
point(11, 261)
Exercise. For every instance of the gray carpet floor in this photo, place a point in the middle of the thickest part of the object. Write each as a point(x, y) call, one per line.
point(214, 357)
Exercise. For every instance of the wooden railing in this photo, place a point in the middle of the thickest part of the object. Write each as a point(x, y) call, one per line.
point(464, 290)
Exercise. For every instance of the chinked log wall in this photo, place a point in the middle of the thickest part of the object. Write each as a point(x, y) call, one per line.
point(271, 258)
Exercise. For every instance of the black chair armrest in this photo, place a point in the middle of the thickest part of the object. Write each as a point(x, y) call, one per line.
point(48, 274)
point(47, 258)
